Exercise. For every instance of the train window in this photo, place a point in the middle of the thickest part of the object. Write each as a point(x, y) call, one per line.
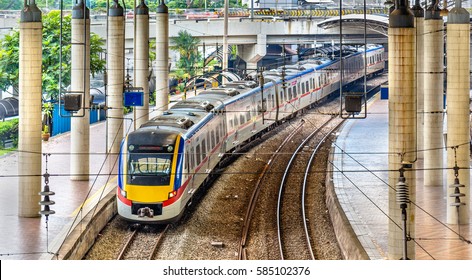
point(235, 120)
point(213, 139)
point(289, 93)
point(241, 118)
point(204, 149)
point(303, 88)
point(295, 91)
point(319, 81)
point(306, 85)
point(192, 158)
point(218, 134)
point(248, 112)
point(198, 154)
point(149, 168)
point(231, 124)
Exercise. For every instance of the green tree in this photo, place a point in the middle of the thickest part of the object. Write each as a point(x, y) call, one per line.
point(9, 55)
point(9, 61)
point(11, 5)
point(187, 46)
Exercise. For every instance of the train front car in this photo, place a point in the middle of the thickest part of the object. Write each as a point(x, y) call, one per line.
point(150, 176)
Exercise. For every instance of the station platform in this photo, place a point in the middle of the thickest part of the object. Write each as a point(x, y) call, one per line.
point(360, 178)
point(361, 145)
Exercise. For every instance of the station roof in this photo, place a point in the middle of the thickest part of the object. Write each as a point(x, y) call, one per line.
point(376, 23)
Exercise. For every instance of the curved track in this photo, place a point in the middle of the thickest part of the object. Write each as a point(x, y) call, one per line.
point(255, 194)
point(293, 235)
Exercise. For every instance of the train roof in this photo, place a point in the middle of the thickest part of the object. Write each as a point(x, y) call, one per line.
point(183, 116)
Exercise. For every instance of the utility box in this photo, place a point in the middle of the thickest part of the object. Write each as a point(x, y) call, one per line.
point(133, 98)
point(353, 103)
point(384, 92)
point(72, 102)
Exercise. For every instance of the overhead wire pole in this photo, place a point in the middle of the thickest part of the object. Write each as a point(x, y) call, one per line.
point(353, 100)
point(225, 41)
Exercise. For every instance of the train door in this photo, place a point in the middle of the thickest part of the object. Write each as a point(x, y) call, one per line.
point(275, 97)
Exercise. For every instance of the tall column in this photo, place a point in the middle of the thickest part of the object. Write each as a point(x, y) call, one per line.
point(116, 73)
point(162, 57)
point(402, 123)
point(418, 11)
point(29, 134)
point(225, 38)
point(141, 60)
point(80, 82)
point(433, 95)
point(458, 90)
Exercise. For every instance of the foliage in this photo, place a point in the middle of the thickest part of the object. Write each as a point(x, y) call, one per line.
point(152, 50)
point(11, 5)
point(100, 5)
point(187, 46)
point(47, 110)
point(9, 55)
point(9, 131)
point(9, 61)
point(48, 107)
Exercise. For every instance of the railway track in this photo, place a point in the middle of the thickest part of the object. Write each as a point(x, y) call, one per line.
point(255, 194)
point(291, 227)
point(143, 242)
point(294, 237)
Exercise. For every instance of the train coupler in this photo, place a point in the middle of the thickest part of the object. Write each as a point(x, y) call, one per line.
point(145, 212)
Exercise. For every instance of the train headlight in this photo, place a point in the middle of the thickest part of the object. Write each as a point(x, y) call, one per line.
point(123, 193)
point(170, 149)
point(131, 147)
point(172, 194)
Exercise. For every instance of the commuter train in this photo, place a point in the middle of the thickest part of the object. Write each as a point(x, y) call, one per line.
point(164, 162)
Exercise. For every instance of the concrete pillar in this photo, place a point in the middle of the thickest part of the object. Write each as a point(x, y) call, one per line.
point(29, 134)
point(162, 57)
point(458, 124)
point(116, 73)
point(80, 82)
point(433, 96)
point(418, 11)
point(253, 53)
point(402, 124)
point(141, 60)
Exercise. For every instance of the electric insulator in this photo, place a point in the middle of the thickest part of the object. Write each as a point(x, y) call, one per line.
point(46, 201)
point(457, 193)
point(402, 191)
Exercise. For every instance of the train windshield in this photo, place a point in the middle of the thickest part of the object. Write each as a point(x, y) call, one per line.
point(149, 169)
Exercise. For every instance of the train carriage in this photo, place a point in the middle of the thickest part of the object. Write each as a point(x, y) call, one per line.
point(164, 162)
